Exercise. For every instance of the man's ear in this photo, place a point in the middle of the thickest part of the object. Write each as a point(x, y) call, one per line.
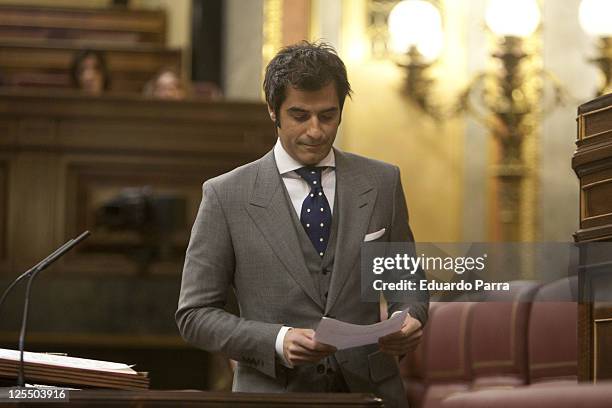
point(272, 113)
point(273, 116)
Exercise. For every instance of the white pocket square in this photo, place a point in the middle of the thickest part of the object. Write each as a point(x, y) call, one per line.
point(374, 235)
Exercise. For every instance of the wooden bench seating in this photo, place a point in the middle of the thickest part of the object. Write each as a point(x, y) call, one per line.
point(38, 44)
point(38, 63)
point(116, 25)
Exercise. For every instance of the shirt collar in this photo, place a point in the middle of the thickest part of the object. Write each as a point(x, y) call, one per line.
point(286, 163)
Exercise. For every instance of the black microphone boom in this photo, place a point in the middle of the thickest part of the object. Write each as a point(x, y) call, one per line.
point(31, 274)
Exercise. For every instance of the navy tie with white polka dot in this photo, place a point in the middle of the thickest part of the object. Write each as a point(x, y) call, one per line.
point(316, 214)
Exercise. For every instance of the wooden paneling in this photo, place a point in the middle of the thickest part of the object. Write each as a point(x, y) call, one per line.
point(34, 63)
point(596, 123)
point(596, 203)
point(7, 136)
point(592, 162)
point(85, 24)
point(603, 351)
point(61, 156)
point(585, 346)
point(3, 207)
point(70, 154)
point(596, 198)
point(33, 187)
point(93, 181)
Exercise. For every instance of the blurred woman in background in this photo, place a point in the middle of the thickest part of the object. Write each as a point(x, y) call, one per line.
point(89, 72)
point(166, 84)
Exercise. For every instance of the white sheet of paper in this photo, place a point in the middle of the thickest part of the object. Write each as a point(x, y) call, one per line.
point(63, 361)
point(344, 335)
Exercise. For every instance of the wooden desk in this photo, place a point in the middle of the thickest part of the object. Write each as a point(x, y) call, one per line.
point(592, 162)
point(172, 399)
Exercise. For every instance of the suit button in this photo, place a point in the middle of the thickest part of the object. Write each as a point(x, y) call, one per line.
point(326, 271)
point(321, 369)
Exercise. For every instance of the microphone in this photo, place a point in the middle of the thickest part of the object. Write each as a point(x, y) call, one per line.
point(28, 272)
point(31, 274)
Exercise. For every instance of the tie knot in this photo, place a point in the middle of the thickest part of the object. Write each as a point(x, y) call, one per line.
point(312, 175)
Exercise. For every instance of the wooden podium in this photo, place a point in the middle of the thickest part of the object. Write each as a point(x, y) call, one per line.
point(592, 162)
point(172, 399)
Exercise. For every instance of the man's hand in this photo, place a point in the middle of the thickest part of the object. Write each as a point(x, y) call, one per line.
point(300, 347)
point(403, 341)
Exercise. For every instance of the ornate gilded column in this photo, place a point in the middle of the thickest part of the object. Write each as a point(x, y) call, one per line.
point(272, 31)
point(514, 104)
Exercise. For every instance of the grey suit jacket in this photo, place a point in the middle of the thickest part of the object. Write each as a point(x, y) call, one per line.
point(244, 237)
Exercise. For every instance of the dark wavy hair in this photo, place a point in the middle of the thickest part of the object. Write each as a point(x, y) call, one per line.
point(305, 66)
point(77, 62)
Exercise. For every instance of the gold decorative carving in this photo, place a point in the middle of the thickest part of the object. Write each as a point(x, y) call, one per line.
point(377, 29)
point(604, 63)
point(511, 92)
point(272, 31)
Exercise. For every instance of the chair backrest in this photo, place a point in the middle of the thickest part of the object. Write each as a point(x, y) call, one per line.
point(498, 337)
point(553, 342)
point(440, 365)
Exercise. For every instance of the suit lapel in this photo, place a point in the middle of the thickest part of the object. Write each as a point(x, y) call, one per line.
point(356, 198)
point(269, 210)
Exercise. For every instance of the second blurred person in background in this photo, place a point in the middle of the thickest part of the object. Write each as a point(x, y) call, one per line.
point(166, 84)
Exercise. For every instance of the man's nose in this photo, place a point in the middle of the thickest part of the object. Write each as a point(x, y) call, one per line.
point(314, 128)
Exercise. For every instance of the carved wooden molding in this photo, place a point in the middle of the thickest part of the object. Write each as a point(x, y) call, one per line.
point(602, 335)
point(3, 206)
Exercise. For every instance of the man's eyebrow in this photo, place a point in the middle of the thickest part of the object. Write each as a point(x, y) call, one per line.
point(295, 109)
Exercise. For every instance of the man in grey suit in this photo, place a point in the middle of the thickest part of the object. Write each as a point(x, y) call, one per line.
point(285, 232)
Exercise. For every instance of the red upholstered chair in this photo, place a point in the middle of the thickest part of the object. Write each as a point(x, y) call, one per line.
point(571, 396)
point(440, 366)
point(411, 365)
point(498, 337)
point(552, 348)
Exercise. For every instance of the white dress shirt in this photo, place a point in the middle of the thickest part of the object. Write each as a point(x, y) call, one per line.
point(298, 189)
point(296, 186)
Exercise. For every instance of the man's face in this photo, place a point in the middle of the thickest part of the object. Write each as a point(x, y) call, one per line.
point(309, 122)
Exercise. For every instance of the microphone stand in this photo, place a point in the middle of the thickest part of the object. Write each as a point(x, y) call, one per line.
point(28, 272)
point(31, 274)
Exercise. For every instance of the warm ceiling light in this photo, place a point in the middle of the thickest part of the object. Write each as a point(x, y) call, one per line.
point(513, 18)
point(594, 17)
point(416, 23)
